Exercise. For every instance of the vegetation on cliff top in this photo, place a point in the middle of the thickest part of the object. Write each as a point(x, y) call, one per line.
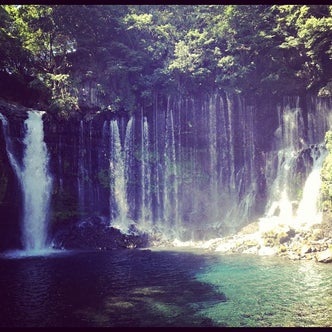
point(326, 176)
point(131, 52)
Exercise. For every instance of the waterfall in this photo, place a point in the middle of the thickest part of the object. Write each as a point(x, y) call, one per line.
point(286, 186)
point(118, 177)
point(35, 181)
point(171, 180)
point(213, 169)
point(191, 169)
point(289, 140)
point(307, 213)
point(82, 173)
point(145, 222)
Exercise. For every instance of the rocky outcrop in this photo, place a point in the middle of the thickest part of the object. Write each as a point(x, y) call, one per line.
point(13, 111)
point(280, 240)
point(92, 234)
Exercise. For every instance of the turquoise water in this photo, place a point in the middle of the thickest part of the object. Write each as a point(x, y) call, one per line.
point(162, 288)
point(265, 291)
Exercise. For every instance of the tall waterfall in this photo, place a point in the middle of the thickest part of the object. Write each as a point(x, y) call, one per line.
point(171, 178)
point(145, 220)
point(118, 169)
point(82, 172)
point(35, 181)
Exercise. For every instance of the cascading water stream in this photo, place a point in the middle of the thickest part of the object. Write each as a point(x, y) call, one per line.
point(213, 171)
point(289, 134)
point(35, 181)
point(171, 184)
point(118, 164)
point(307, 212)
point(145, 222)
point(82, 174)
point(281, 208)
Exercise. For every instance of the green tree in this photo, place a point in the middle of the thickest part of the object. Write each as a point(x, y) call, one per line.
point(47, 44)
point(13, 58)
point(306, 32)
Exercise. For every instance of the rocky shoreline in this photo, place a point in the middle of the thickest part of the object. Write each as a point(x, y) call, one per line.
point(274, 239)
point(259, 238)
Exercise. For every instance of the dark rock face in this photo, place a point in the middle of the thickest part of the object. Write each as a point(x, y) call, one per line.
point(10, 191)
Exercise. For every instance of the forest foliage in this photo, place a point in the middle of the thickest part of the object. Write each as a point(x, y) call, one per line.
point(133, 52)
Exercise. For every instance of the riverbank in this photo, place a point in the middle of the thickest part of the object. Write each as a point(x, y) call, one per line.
point(274, 238)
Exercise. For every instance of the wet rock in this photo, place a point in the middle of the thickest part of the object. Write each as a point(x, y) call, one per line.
point(282, 249)
point(275, 237)
point(324, 256)
point(293, 255)
point(92, 234)
point(305, 249)
point(317, 234)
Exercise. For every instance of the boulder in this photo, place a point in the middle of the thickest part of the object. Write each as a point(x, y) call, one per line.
point(324, 256)
point(305, 249)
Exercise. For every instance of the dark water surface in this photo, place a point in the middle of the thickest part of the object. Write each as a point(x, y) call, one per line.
point(162, 288)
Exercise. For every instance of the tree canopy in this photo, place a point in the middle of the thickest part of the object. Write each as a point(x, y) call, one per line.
point(132, 52)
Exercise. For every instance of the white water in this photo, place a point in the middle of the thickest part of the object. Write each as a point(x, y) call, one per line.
point(306, 216)
point(308, 213)
point(290, 142)
point(145, 222)
point(35, 181)
point(118, 177)
point(281, 211)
